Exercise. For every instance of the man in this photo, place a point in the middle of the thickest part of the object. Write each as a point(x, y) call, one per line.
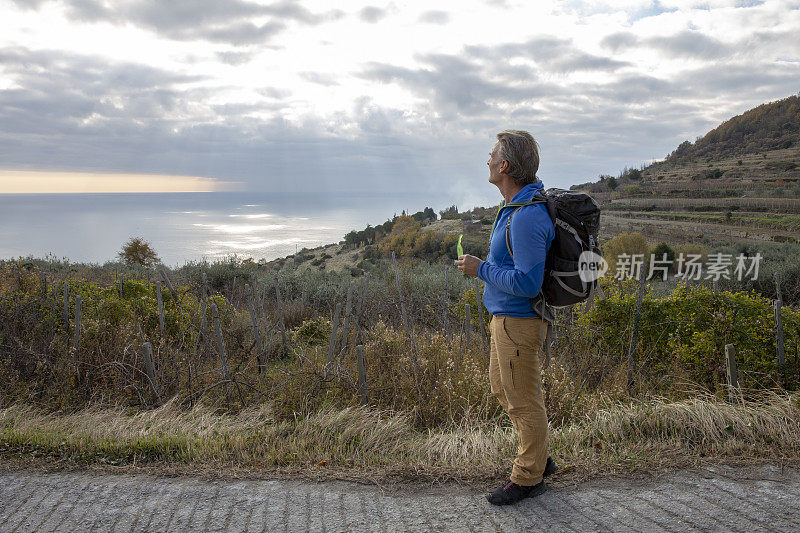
point(516, 330)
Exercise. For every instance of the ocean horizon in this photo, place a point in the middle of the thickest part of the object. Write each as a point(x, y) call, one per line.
point(183, 227)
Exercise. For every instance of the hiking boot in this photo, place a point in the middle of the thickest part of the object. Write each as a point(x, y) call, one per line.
point(550, 468)
point(510, 493)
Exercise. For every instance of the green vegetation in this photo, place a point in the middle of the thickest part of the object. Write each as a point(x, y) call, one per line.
point(428, 387)
point(683, 335)
point(137, 251)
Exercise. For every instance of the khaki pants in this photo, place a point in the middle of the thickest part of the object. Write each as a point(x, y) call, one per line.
point(515, 377)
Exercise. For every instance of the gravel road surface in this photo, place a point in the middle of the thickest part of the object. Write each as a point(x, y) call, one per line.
point(710, 499)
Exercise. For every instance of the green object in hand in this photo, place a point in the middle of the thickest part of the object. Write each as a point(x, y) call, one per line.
point(459, 249)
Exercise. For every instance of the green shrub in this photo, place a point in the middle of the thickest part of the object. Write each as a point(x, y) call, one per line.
point(686, 332)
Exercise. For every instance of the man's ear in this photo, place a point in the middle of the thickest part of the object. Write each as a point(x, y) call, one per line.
point(503, 166)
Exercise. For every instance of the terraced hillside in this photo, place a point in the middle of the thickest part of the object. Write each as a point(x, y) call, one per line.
point(739, 183)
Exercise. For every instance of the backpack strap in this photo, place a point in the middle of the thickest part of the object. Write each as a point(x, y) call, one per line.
point(538, 303)
point(508, 232)
point(518, 205)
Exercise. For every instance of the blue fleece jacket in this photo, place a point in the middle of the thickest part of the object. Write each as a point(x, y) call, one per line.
point(511, 283)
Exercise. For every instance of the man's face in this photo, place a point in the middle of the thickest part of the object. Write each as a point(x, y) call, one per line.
point(494, 162)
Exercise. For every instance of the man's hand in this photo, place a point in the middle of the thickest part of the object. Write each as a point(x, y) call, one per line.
point(468, 264)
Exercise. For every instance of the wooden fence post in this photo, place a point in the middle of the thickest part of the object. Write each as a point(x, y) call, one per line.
point(732, 371)
point(590, 301)
point(281, 323)
point(66, 306)
point(332, 344)
point(77, 339)
point(203, 308)
point(223, 356)
point(256, 334)
point(362, 295)
point(161, 319)
point(362, 292)
point(150, 369)
point(600, 294)
point(347, 310)
point(363, 390)
point(255, 286)
point(446, 302)
point(403, 313)
point(779, 345)
point(169, 284)
point(637, 317)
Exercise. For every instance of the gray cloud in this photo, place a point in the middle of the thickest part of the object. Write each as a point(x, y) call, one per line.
point(549, 53)
point(617, 119)
point(458, 85)
point(435, 17)
point(696, 45)
point(687, 43)
point(274, 92)
point(455, 86)
point(319, 78)
point(690, 44)
point(82, 113)
point(211, 20)
point(619, 41)
point(371, 14)
point(28, 4)
point(235, 58)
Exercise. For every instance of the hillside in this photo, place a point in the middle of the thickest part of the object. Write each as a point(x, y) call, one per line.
point(740, 183)
point(771, 126)
point(430, 240)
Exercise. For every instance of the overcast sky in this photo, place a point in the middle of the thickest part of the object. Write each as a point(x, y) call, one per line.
point(398, 96)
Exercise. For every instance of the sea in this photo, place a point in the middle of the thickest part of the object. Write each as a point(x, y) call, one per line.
point(184, 227)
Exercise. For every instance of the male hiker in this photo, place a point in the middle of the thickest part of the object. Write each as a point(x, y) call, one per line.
point(516, 329)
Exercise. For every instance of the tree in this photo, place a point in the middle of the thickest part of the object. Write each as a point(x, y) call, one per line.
point(138, 251)
point(427, 215)
point(449, 213)
point(662, 248)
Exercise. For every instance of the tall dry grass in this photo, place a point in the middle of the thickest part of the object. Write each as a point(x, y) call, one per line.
point(617, 436)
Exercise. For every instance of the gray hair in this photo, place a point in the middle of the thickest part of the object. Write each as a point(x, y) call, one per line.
point(520, 149)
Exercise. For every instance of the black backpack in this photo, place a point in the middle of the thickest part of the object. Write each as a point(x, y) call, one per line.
point(576, 220)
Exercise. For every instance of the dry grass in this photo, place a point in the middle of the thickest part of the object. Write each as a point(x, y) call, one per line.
point(617, 438)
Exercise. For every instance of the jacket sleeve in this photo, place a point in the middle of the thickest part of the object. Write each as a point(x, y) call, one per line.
point(532, 234)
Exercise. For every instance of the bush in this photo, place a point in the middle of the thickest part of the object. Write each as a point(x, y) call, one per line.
point(137, 251)
point(220, 274)
point(659, 251)
point(624, 243)
point(686, 332)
